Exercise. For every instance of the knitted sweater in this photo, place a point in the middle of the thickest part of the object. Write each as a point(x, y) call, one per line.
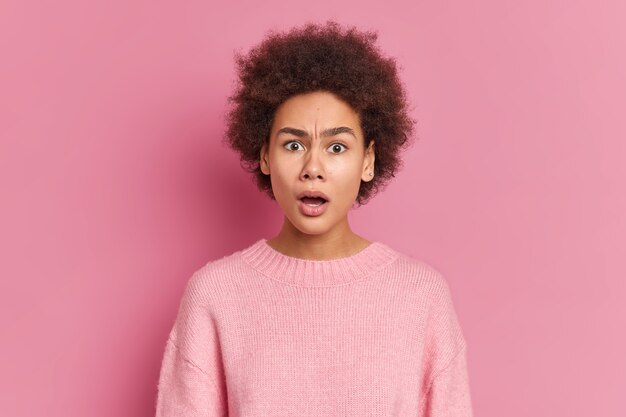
point(262, 334)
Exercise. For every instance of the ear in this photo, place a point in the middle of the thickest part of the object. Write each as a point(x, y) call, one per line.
point(368, 163)
point(264, 159)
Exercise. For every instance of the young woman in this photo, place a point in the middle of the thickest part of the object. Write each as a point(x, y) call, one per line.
point(317, 321)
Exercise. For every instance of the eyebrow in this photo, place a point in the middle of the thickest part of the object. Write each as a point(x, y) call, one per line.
point(333, 131)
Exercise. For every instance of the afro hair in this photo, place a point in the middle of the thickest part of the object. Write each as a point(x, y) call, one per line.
point(345, 62)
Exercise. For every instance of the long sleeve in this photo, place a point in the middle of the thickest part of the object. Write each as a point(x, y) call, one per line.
point(448, 394)
point(445, 391)
point(184, 388)
point(188, 382)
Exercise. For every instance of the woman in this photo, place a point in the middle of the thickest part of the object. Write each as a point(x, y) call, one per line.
point(317, 321)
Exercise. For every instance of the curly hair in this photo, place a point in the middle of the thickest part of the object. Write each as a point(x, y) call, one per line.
point(314, 57)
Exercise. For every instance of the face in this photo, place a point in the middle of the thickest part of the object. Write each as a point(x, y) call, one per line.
point(316, 145)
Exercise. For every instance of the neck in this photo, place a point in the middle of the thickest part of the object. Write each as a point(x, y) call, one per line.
point(340, 242)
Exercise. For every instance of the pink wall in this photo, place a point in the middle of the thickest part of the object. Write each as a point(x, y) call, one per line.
point(115, 188)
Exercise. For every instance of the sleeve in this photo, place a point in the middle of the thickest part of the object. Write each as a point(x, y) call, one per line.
point(190, 381)
point(445, 389)
point(449, 394)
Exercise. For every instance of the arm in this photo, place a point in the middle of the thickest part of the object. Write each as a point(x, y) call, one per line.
point(190, 381)
point(448, 394)
point(184, 388)
point(445, 391)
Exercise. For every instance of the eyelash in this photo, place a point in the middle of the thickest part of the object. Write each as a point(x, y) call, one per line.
point(336, 143)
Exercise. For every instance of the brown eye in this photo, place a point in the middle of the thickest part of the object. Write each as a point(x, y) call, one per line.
point(337, 148)
point(293, 146)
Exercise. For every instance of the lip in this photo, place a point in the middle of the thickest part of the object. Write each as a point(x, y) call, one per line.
point(309, 210)
point(312, 211)
point(313, 193)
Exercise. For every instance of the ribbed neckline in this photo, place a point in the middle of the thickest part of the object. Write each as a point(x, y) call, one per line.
point(317, 273)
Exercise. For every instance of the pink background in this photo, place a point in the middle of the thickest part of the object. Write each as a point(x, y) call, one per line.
point(115, 188)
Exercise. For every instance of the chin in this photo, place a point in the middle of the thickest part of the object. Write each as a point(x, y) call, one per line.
point(311, 229)
point(310, 225)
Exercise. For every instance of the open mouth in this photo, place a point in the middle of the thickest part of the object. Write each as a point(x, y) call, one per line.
point(313, 201)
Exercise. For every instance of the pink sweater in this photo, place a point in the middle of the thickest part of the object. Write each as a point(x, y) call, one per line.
point(263, 334)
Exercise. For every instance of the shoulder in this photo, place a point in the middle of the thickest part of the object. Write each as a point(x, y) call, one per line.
point(219, 267)
point(212, 279)
point(432, 286)
point(422, 275)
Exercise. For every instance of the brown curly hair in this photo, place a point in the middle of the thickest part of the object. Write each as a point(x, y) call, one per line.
point(311, 58)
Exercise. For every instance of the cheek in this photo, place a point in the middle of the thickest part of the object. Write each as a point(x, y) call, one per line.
point(282, 175)
point(346, 173)
point(346, 180)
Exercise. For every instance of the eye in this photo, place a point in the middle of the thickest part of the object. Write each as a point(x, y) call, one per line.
point(292, 145)
point(336, 148)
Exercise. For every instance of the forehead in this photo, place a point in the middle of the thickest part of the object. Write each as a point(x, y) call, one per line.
point(314, 111)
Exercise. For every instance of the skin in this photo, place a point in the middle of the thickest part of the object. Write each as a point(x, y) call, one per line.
point(311, 147)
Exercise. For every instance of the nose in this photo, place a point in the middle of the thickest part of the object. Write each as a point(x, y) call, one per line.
point(312, 167)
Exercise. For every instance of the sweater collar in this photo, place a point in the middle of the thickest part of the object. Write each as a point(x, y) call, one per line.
point(317, 273)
